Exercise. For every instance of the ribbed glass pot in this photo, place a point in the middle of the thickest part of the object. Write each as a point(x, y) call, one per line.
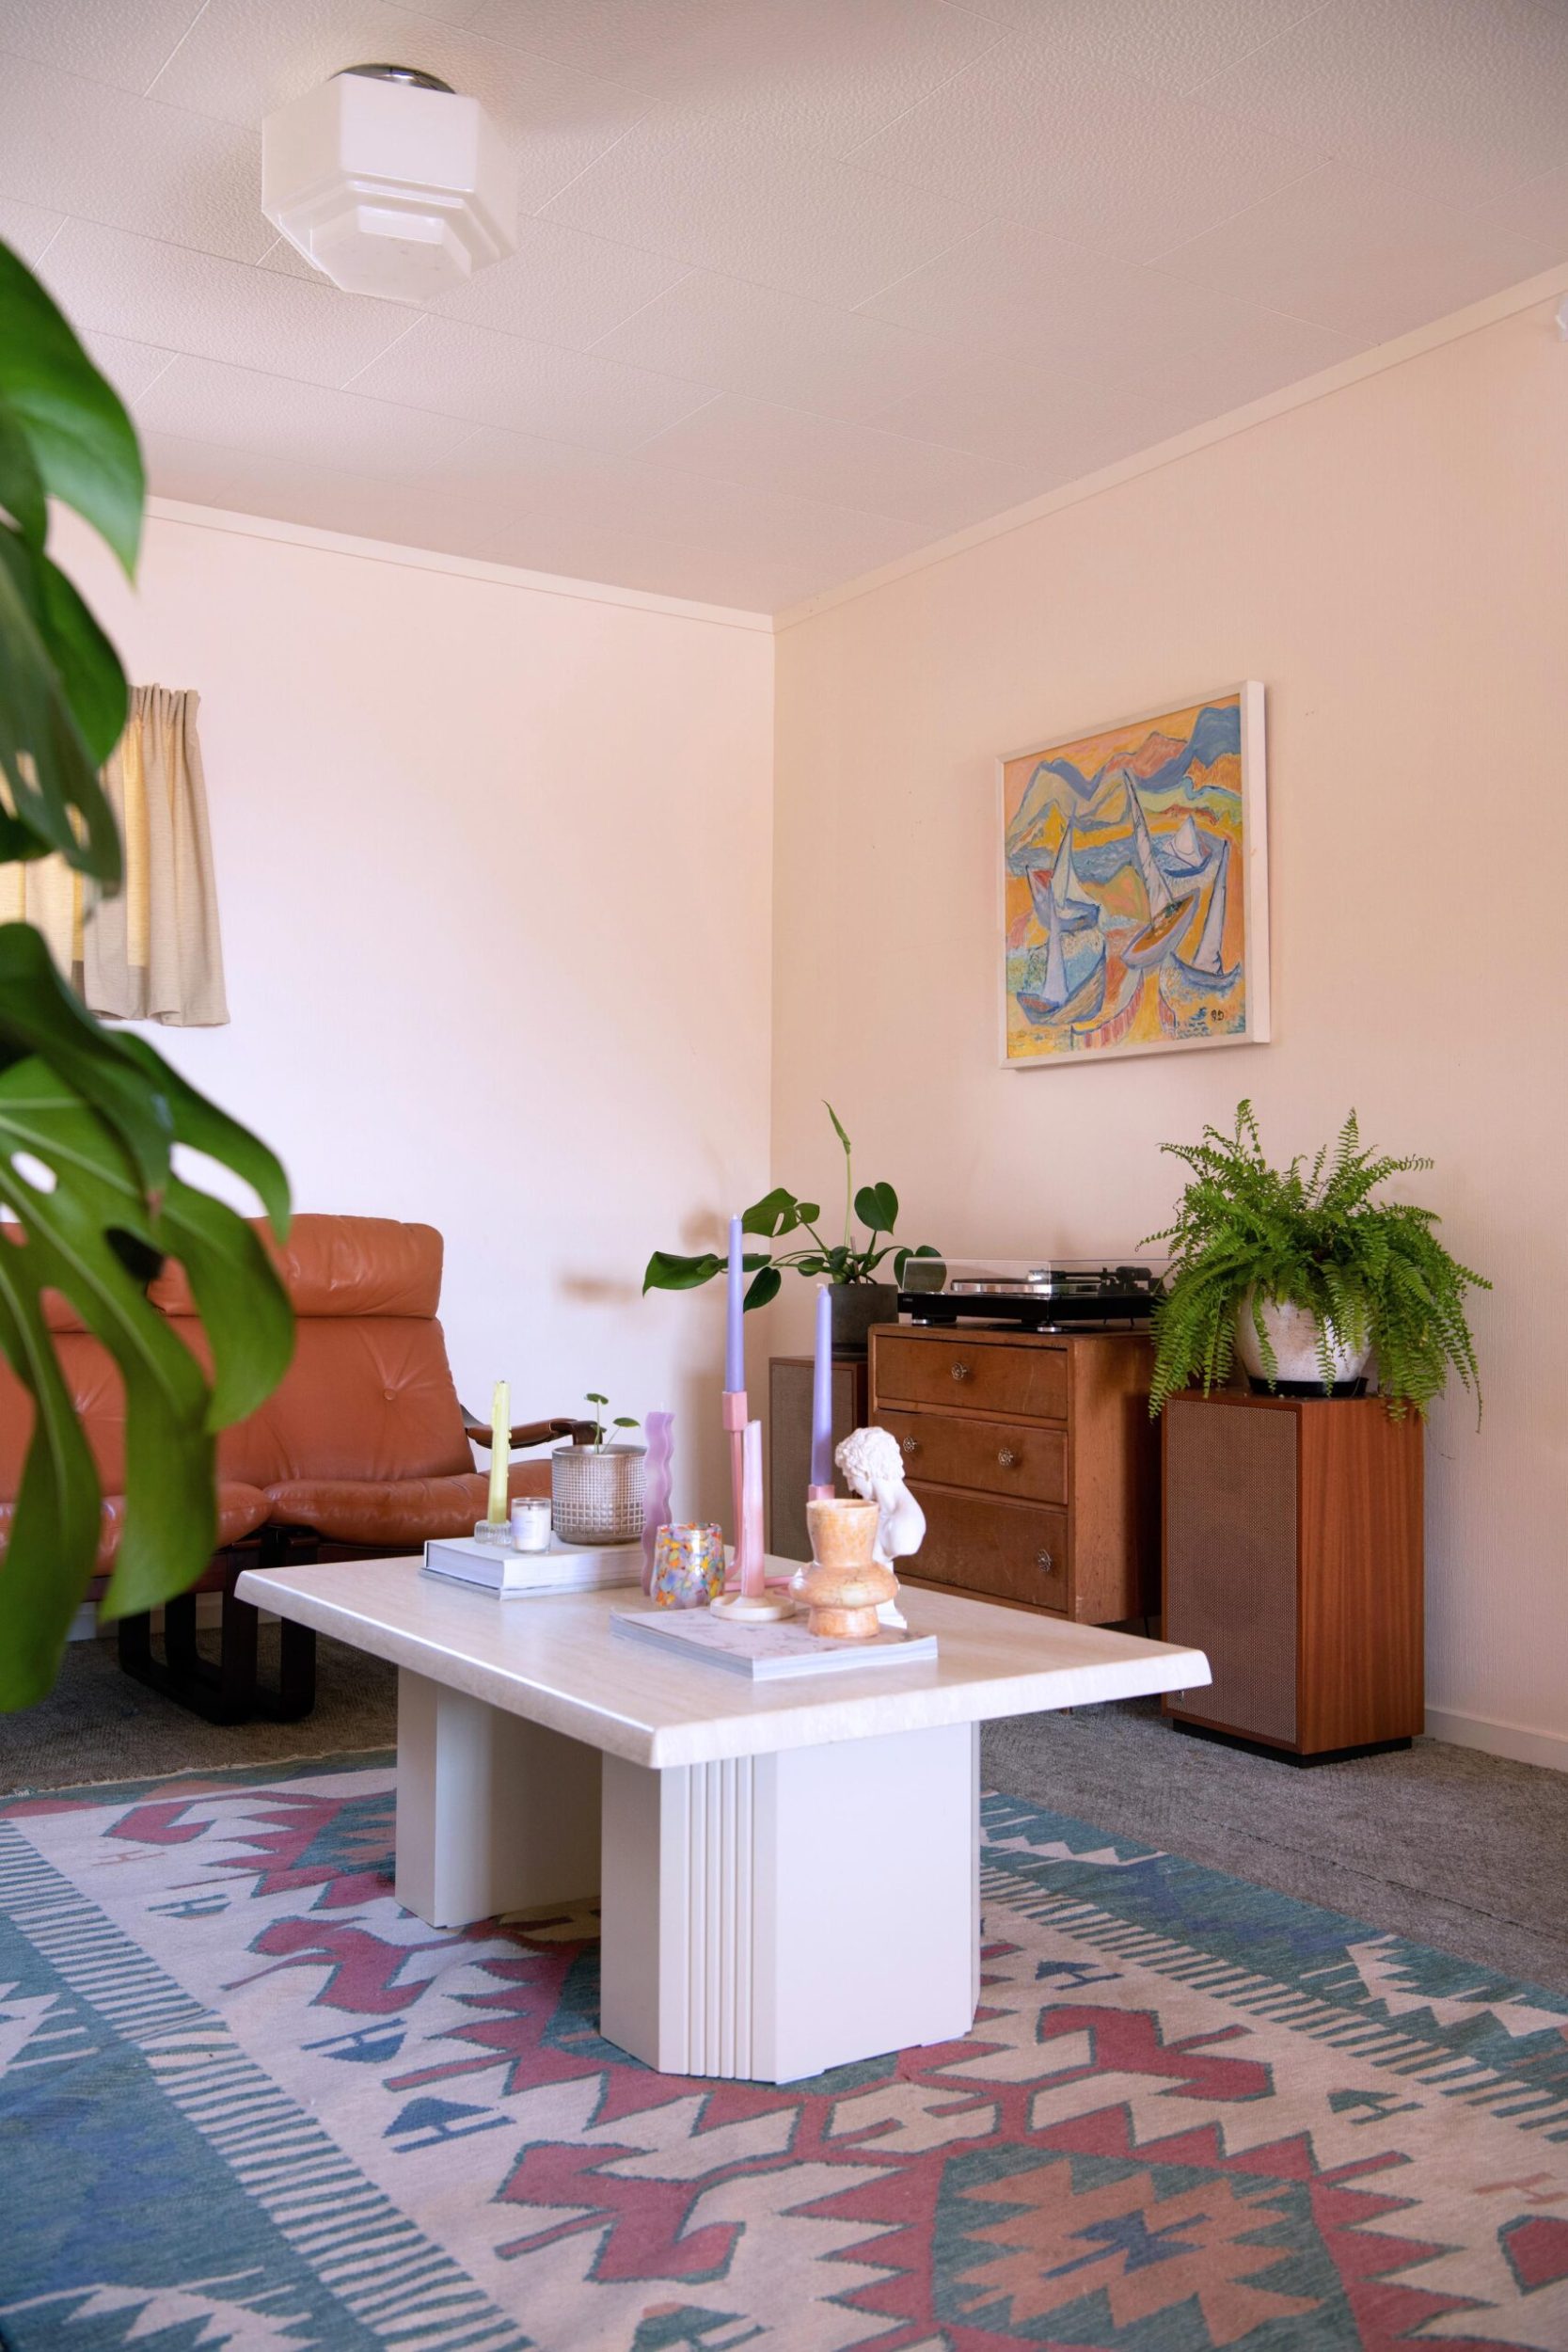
point(596, 1493)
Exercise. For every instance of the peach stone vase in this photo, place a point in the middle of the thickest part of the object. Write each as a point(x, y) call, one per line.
point(845, 1584)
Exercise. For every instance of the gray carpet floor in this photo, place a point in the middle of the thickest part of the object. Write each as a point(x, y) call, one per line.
point(1454, 1848)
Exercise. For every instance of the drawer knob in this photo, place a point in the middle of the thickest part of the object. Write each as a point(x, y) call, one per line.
point(1042, 1560)
point(960, 1371)
point(912, 1445)
point(1008, 1459)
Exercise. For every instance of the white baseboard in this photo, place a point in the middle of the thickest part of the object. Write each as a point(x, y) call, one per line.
point(85, 1625)
point(1515, 1741)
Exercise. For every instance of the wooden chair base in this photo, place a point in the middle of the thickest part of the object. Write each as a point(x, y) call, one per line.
point(228, 1691)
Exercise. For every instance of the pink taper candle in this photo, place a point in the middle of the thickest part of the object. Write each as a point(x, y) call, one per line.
point(822, 1398)
point(750, 1556)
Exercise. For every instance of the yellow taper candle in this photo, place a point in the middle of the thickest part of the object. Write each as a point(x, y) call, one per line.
point(501, 1455)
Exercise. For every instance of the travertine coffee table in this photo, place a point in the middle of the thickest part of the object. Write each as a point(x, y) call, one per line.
point(790, 1871)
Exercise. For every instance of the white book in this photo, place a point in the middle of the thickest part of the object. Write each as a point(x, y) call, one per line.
point(768, 1653)
point(513, 1575)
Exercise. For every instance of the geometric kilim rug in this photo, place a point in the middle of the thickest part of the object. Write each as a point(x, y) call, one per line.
point(245, 2100)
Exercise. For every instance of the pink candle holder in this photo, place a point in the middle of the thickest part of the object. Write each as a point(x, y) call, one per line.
point(753, 1602)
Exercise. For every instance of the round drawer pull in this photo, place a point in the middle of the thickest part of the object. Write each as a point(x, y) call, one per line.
point(912, 1445)
point(1043, 1559)
point(1008, 1459)
point(960, 1371)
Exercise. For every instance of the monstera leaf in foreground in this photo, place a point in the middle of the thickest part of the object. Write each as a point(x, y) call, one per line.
point(90, 1118)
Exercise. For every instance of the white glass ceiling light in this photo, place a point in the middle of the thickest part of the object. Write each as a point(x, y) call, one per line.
point(389, 182)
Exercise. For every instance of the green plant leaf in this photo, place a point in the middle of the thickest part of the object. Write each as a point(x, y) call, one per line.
point(205, 1127)
point(86, 664)
point(22, 491)
point(39, 1014)
point(44, 759)
point(838, 1125)
point(81, 438)
point(665, 1271)
point(765, 1285)
point(777, 1211)
point(876, 1205)
point(52, 1543)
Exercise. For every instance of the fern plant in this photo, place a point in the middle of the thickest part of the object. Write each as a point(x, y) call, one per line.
point(1372, 1272)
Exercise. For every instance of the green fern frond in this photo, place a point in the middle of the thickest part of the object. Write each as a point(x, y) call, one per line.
point(1374, 1273)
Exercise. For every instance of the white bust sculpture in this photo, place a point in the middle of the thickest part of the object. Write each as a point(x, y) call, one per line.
point(873, 1467)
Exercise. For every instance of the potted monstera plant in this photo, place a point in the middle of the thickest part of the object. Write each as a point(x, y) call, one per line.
point(1308, 1278)
point(850, 1264)
point(91, 1204)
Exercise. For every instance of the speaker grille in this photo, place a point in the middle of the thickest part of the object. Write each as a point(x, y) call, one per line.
point(789, 1388)
point(1230, 1561)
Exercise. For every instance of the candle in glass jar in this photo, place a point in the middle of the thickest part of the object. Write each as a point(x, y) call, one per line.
point(530, 1523)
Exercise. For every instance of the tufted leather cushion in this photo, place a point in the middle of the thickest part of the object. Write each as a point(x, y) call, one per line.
point(363, 1439)
point(372, 1399)
point(341, 1265)
point(241, 1511)
point(394, 1511)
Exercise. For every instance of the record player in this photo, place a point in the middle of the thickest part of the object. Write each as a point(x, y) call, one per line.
point(1041, 1294)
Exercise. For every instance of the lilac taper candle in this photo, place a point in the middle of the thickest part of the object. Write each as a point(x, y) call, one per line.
point(822, 1395)
point(734, 1342)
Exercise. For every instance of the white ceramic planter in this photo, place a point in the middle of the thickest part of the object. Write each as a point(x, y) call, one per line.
point(1294, 1336)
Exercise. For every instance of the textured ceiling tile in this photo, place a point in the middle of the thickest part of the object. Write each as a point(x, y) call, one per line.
point(624, 40)
point(561, 287)
point(1369, 258)
point(81, 146)
point(276, 416)
point(1460, 97)
point(130, 367)
point(685, 185)
point(28, 228)
point(769, 345)
point(1007, 409)
point(217, 310)
point(109, 40)
point(241, 60)
point(818, 71)
point(1096, 156)
point(527, 387)
point(514, 474)
point(1021, 291)
point(1174, 43)
point(1521, 232)
point(206, 473)
point(847, 465)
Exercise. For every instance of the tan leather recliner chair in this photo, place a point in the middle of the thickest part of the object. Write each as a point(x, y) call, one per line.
point(363, 1446)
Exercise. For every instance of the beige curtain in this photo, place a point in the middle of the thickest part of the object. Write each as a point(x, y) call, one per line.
point(153, 953)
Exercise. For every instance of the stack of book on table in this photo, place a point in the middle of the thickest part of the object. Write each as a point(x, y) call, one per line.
point(770, 1653)
point(513, 1575)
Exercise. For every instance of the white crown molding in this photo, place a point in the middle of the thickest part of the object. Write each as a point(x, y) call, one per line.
point(1546, 288)
point(240, 526)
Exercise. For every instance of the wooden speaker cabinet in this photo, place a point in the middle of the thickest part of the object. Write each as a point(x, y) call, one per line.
point(1035, 1461)
point(1292, 1558)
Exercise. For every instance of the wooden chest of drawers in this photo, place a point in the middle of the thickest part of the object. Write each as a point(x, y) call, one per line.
point(1035, 1461)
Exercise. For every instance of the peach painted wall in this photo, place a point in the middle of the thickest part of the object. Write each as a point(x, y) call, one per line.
point(1393, 561)
point(493, 870)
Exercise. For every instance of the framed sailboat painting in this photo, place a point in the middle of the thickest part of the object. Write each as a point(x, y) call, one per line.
point(1135, 901)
